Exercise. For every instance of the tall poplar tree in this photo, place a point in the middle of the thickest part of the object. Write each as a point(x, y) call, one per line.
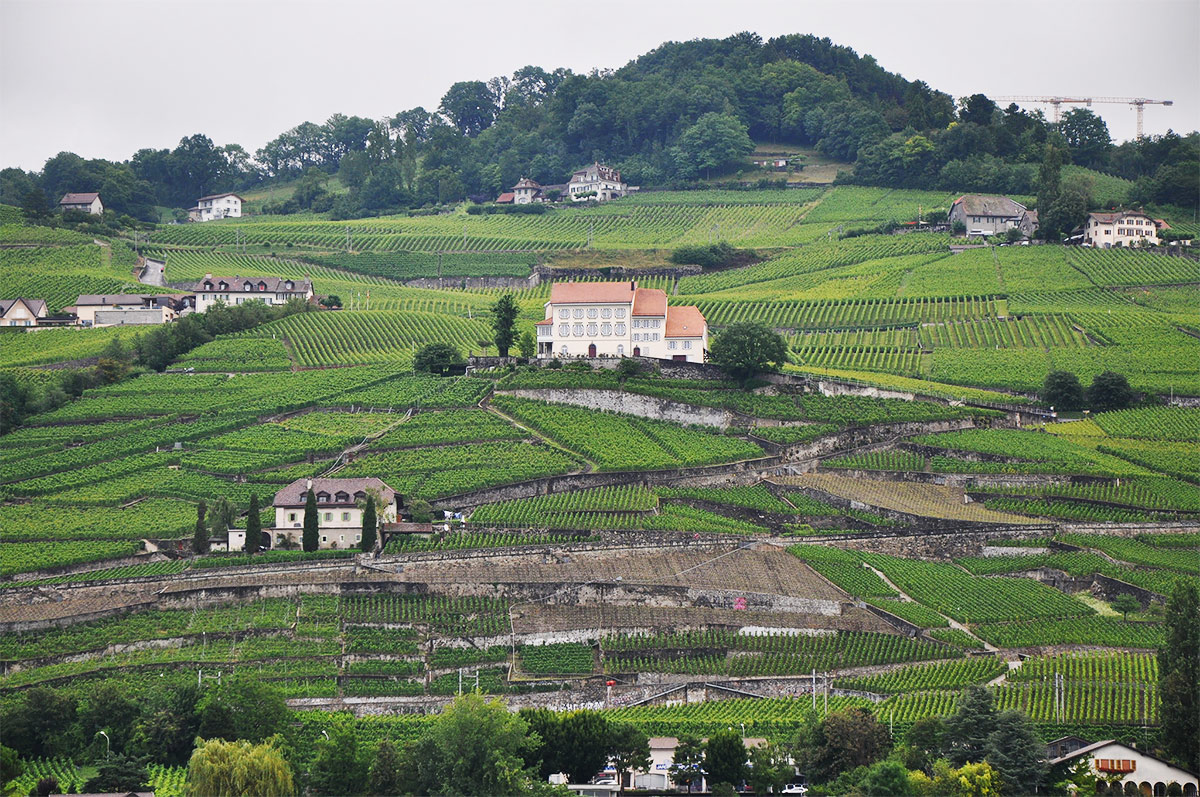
point(369, 525)
point(253, 526)
point(1179, 676)
point(311, 539)
point(200, 535)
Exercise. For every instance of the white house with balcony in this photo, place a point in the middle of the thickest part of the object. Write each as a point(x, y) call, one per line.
point(1122, 770)
point(216, 206)
point(619, 319)
point(597, 182)
point(86, 202)
point(1120, 228)
point(340, 504)
point(233, 291)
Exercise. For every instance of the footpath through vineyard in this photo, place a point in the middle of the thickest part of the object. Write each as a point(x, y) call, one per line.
point(906, 598)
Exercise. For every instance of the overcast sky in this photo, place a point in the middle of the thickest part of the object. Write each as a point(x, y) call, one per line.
point(103, 78)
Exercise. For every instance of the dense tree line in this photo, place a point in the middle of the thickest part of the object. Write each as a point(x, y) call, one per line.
point(683, 111)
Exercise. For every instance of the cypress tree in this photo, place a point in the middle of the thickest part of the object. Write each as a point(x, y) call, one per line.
point(253, 526)
point(311, 539)
point(369, 524)
point(200, 536)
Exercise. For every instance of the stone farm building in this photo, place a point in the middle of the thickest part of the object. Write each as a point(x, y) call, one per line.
point(88, 203)
point(117, 309)
point(216, 206)
point(619, 319)
point(986, 215)
point(21, 312)
point(338, 512)
point(236, 290)
point(1120, 228)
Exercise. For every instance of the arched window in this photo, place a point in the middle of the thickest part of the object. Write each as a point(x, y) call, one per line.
point(620, 350)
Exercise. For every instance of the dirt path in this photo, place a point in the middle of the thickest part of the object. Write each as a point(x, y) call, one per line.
point(589, 466)
point(904, 596)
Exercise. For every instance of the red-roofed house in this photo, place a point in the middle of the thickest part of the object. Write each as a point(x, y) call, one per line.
point(88, 203)
point(506, 198)
point(619, 319)
point(1120, 228)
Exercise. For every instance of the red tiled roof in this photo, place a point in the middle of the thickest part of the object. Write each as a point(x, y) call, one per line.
point(650, 301)
point(525, 182)
point(601, 292)
point(296, 492)
point(78, 199)
point(505, 198)
point(546, 322)
point(684, 322)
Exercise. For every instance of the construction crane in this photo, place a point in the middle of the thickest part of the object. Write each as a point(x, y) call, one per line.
point(1056, 104)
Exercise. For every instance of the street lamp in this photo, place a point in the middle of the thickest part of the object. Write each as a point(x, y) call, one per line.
point(107, 744)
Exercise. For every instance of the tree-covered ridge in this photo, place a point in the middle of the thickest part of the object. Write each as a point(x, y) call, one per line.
point(678, 113)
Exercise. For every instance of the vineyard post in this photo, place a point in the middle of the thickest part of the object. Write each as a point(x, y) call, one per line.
point(813, 684)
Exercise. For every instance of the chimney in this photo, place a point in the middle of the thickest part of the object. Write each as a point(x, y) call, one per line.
point(632, 285)
point(208, 276)
point(310, 484)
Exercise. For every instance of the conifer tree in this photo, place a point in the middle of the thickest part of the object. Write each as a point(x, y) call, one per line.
point(369, 525)
point(311, 538)
point(253, 526)
point(200, 536)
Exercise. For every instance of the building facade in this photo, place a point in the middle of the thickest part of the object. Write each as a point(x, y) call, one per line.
point(118, 309)
point(339, 510)
point(1122, 769)
point(1120, 228)
point(597, 182)
point(216, 206)
point(233, 291)
point(619, 319)
point(986, 215)
point(88, 203)
point(21, 312)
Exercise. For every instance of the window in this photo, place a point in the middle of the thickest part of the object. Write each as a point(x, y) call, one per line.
point(578, 330)
point(591, 330)
point(671, 344)
point(564, 329)
point(620, 350)
point(592, 312)
point(620, 312)
point(345, 516)
point(687, 344)
point(564, 350)
point(620, 329)
point(291, 517)
point(606, 312)
point(606, 329)
point(578, 312)
point(329, 516)
point(564, 313)
point(637, 336)
point(324, 539)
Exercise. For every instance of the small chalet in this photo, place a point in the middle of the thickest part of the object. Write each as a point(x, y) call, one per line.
point(120, 309)
point(1122, 769)
point(236, 290)
point(88, 203)
point(339, 509)
point(216, 206)
point(985, 215)
point(21, 312)
point(1121, 228)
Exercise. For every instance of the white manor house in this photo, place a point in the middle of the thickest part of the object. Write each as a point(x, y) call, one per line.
point(619, 319)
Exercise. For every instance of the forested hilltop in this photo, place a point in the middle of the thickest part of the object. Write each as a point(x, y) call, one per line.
point(684, 112)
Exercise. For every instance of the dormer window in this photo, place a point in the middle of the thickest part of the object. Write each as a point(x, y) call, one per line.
point(248, 286)
point(341, 497)
point(289, 285)
point(208, 286)
point(358, 496)
point(223, 285)
point(323, 497)
point(262, 286)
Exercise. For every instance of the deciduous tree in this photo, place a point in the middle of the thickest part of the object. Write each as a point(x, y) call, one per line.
point(1061, 390)
point(231, 769)
point(436, 358)
point(746, 348)
point(687, 764)
point(1109, 391)
point(628, 749)
point(725, 758)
